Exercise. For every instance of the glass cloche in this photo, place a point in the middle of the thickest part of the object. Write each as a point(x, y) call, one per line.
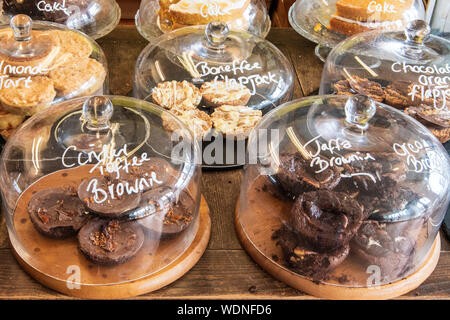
point(220, 82)
point(343, 197)
point(328, 22)
point(96, 18)
point(43, 63)
point(407, 69)
point(156, 17)
point(99, 197)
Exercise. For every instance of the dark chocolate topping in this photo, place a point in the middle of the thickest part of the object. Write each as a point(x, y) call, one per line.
point(57, 212)
point(110, 242)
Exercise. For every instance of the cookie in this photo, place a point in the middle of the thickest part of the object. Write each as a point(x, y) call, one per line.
point(327, 220)
point(73, 44)
point(199, 122)
point(57, 213)
point(172, 219)
point(300, 258)
point(9, 120)
point(357, 85)
point(377, 244)
point(44, 46)
point(109, 197)
point(219, 93)
point(296, 175)
point(78, 76)
point(172, 94)
point(28, 101)
point(235, 121)
point(110, 242)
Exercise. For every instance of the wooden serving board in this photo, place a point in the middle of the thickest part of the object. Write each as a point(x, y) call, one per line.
point(60, 265)
point(263, 214)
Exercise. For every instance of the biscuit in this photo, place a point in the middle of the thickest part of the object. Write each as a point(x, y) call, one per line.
point(73, 44)
point(28, 101)
point(171, 94)
point(219, 93)
point(199, 122)
point(235, 121)
point(45, 49)
point(78, 77)
point(9, 120)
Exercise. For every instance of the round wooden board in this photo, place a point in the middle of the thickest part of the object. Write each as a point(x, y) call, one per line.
point(157, 280)
point(336, 292)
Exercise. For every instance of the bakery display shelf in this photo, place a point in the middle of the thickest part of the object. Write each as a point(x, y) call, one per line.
point(223, 271)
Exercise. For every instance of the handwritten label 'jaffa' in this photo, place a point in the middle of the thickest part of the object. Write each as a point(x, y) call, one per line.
point(332, 146)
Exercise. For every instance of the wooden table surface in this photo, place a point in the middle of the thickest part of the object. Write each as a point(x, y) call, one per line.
point(225, 271)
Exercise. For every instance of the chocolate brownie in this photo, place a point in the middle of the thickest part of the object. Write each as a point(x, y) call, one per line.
point(116, 198)
point(378, 244)
point(302, 259)
point(173, 218)
point(296, 175)
point(385, 170)
point(57, 213)
point(153, 173)
point(327, 220)
point(110, 242)
point(357, 85)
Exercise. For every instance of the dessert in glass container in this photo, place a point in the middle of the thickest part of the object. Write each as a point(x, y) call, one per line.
point(156, 17)
point(407, 70)
point(343, 197)
point(329, 22)
point(218, 81)
point(96, 18)
point(101, 201)
point(44, 63)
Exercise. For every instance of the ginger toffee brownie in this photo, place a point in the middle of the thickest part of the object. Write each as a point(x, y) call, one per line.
point(109, 197)
point(171, 219)
point(57, 213)
point(110, 242)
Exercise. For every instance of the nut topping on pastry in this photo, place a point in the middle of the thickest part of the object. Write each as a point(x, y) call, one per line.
point(172, 94)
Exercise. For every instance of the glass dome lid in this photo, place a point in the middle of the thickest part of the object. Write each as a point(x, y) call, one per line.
point(97, 183)
point(222, 67)
point(407, 70)
point(156, 17)
point(337, 185)
point(43, 63)
point(96, 18)
point(329, 22)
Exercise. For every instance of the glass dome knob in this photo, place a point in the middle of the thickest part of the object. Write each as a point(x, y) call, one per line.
point(21, 25)
point(416, 31)
point(97, 113)
point(217, 33)
point(359, 109)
